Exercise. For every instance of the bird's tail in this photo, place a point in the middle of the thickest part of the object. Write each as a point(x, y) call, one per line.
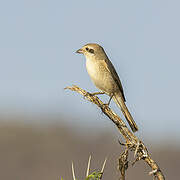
point(120, 102)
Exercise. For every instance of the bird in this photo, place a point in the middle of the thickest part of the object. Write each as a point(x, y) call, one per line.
point(105, 78)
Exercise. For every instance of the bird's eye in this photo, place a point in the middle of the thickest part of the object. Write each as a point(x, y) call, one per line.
point(91, 51)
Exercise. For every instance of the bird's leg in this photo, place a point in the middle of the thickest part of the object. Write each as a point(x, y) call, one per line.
point(111, 96)
point(110, 99)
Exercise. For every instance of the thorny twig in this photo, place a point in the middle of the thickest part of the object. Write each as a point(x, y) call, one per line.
point(132, 142)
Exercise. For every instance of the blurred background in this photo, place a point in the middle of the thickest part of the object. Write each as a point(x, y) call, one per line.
point(43, 128)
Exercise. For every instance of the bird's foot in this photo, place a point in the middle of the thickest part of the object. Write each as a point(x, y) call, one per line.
point(88, 94)
point(93, 94)
point(105, 105)
point(97, 93)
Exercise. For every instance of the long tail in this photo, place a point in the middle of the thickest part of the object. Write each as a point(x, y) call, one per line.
point(120, 102)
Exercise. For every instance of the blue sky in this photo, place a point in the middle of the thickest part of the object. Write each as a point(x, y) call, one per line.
point(38, 40)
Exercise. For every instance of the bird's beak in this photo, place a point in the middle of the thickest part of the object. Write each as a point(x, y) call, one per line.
point(80, 51)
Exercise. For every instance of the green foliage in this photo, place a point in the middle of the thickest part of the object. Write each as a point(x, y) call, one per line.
point(94, 176)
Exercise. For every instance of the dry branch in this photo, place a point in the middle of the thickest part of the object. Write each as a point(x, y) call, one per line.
point(132, 142)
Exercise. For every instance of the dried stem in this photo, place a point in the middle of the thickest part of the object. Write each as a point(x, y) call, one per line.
point(132, 142)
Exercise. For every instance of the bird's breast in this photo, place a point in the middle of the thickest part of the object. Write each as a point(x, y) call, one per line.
point(99, 74)
point(92, 68)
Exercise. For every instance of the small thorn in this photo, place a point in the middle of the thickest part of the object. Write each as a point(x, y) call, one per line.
point(73, 173)
point(153, 172)
point(102, 170)
point(88, 167)
point(121, 143)
point(136, 150)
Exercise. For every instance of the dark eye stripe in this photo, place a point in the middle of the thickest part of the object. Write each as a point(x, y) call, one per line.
point(91, 51)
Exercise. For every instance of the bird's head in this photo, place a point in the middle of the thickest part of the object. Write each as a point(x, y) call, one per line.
point(92, 50)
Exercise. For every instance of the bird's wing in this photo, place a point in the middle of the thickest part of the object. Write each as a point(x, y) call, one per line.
point(115, 76)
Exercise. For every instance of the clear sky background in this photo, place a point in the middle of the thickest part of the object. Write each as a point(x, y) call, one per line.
point(38, 40)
